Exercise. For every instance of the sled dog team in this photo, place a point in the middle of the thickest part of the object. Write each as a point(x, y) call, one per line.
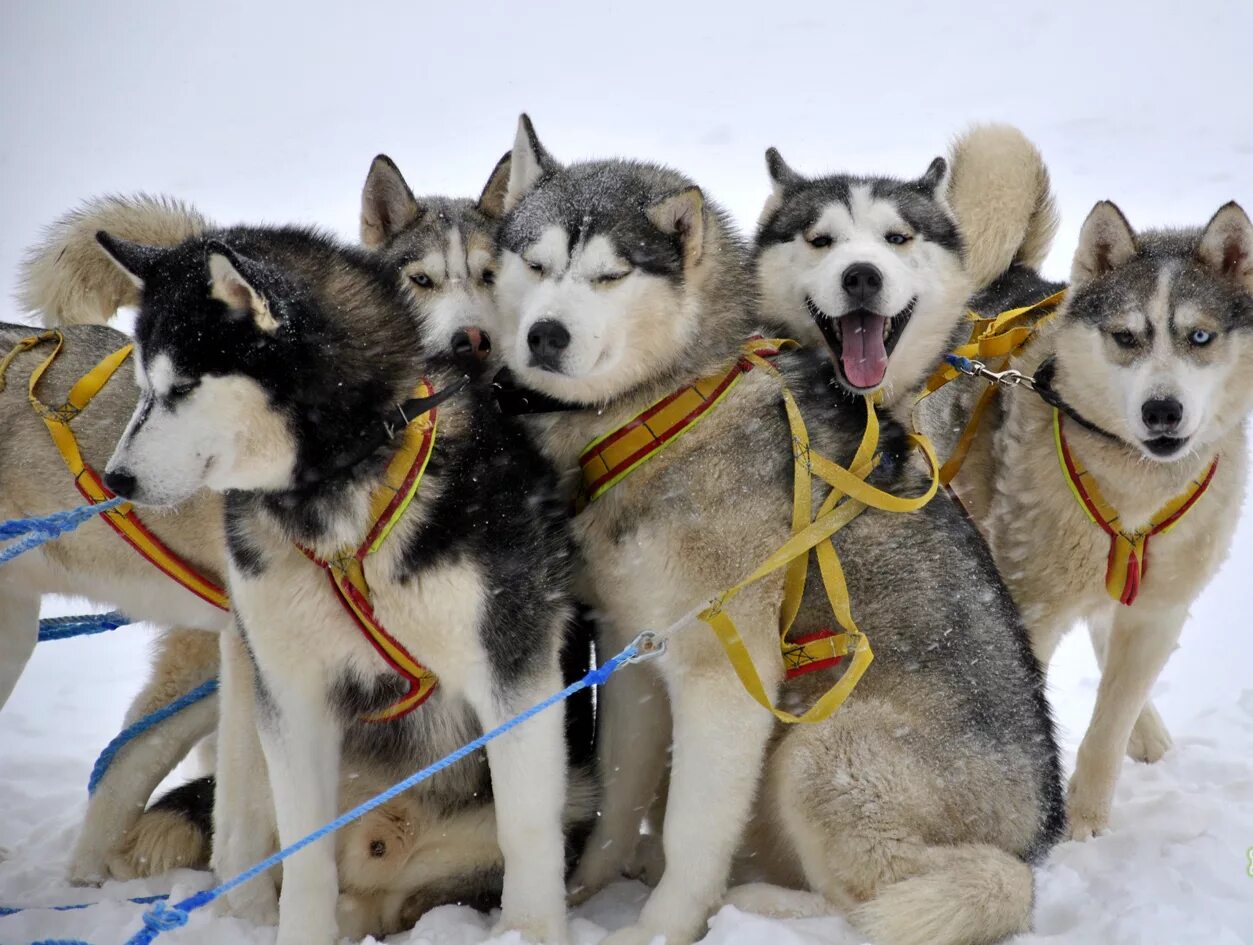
point(393, 480)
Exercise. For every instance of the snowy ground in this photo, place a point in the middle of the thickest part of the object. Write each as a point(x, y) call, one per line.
point(269, 114)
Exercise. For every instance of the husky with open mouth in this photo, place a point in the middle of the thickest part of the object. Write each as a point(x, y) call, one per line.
point(1112, 497)
point(920, 805)
point(879, 269)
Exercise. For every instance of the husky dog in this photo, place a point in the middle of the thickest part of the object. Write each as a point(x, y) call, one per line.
point(273, 364)
point(1148, 359)
point(444, 251)
point(918, 806)
point(880, 269)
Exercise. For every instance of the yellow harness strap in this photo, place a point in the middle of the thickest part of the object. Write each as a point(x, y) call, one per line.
point(346, 574)
point(993, 341)
point(1128, 563)
point(123, 519)
point(603, 467)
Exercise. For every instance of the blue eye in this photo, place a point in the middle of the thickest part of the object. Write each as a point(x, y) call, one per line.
point(897, 239)
point(1200, 337)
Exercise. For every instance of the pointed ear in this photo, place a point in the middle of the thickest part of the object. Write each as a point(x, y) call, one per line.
point(682, 213)
point(387, 203)
point(228, 284)
point(528, 163)
point(935, 180)
point(781, 175)
point(134, 259)
point(1227, 245)
point(1105, 242)
point(492, 199)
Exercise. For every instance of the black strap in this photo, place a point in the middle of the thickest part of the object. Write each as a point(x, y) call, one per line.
point(1043, 379)
point(515, 401)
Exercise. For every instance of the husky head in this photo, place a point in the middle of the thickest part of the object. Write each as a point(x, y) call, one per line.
point(613, 275)
point(870, 266)
point(1155, 342)
point(261, 356)
point(443, 250)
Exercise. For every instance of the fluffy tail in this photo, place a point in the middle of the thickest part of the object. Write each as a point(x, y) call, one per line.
point(67, 277)
point(999, 190)
point(176, 832)
point(972, 895)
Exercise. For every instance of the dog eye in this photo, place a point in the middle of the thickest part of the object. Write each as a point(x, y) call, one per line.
point(1200, 337)
point(1124, 339)
point(179, 391)
point(422, 280)
point(537, 268)
point(820, 242)
point(488, 277)
point(898, 239)
point(611, 276)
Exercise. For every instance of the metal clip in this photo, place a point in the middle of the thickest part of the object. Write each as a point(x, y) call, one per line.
point(1007, 378)
point(647, 646)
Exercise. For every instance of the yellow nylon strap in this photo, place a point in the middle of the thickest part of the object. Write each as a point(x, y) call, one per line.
point(794, 553)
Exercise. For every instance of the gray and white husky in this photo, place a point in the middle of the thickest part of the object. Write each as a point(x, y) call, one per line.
point(919, 806)
point(1149, 357)
point(70, 283)
point(879, 269)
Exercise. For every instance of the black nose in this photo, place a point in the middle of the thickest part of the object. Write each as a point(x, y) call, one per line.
point(120, 482)
point(547, 340)
point(862, 281)
point(1162, 415)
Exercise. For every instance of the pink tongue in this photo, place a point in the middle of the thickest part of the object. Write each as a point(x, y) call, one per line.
point(865, 360)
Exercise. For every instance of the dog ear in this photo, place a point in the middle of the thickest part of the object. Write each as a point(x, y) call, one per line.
point(528, 163)
point(682, 213)
point(935, 180)
point(134, 259)
point(1105, 242)
point(229, 285)
point(387, 203)
point(782, 179)
point(492, 199)
point(1227, 245)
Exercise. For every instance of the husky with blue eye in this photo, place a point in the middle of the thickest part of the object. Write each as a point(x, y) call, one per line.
point(920, 806)
point(1115, 501)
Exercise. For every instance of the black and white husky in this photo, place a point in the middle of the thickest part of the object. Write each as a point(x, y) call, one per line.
point(271, 365)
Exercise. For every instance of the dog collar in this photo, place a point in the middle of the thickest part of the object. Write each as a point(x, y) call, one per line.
point(344, 568)
point(514, 400)
point(1128, 562)
point(1042, 384)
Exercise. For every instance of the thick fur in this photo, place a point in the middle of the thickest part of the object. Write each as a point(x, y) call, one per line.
point(1122, 338)
point(269, 361)
point(932, 241)
point(939, 764)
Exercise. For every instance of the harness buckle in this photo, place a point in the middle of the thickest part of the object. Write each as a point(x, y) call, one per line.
point(1006, 378)
point(648, 645)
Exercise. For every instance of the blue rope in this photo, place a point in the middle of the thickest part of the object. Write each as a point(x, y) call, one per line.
point(63, 628)
point(135, 729)
point(962, 364)
point(138, 900)
point(45, 528)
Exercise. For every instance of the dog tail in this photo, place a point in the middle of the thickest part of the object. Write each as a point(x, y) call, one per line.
point(175, 832)
point(1000, 192)
point(973, 894)
point(66, 276)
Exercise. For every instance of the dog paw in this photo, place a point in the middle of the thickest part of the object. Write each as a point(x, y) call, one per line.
point(591, 876)
point(649, 861)
point(535, 930)
point(638, 935)
point(1086, 820)
point(1149, 739)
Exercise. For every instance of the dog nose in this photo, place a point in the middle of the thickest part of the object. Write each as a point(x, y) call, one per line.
point(471, 344)
point(1162, 415)
point(862, 281)
point(547, 340)
point(120, 482)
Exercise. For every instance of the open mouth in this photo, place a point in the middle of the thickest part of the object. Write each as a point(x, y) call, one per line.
point(1165, 446)
point(861, 341)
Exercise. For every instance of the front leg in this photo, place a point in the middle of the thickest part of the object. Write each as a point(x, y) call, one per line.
point(528, 768)
point(243, 811)
point(1149, 738)
point(720, 738)
point(634, 732)
point(302, 739)
point(1140, 642)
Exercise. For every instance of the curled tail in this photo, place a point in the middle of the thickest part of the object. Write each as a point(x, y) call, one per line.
point(66, 276)
point(1000, 193)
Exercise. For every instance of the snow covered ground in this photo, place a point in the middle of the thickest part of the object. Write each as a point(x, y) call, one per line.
point(274, 114)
